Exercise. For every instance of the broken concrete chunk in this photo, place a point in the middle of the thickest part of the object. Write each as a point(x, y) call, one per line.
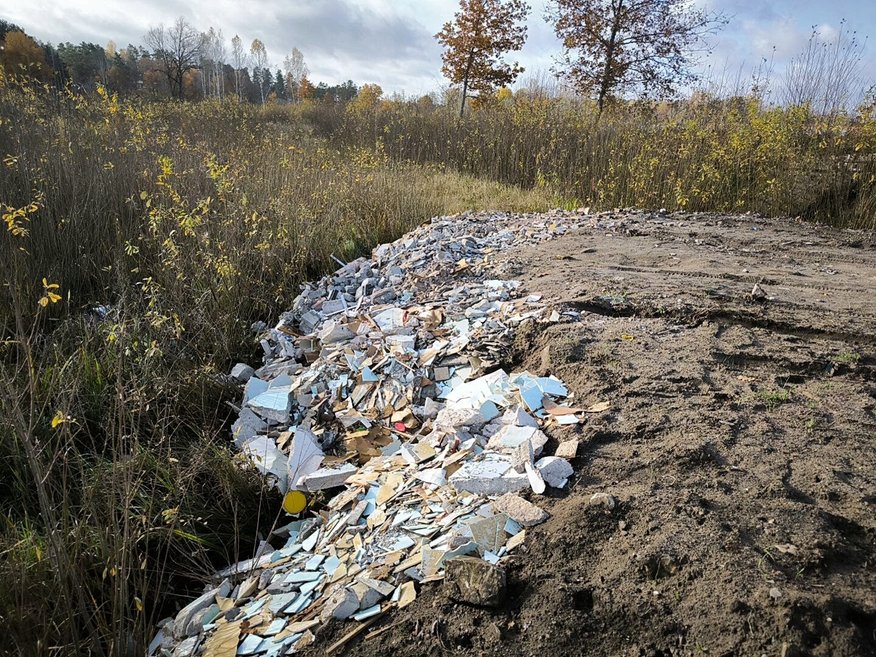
point(555, 470)
point(567, 450)
point(523, 455)
point(474, 581)
point(341, 605)
point(242, 372)
point(521, 511)
point(489, 476)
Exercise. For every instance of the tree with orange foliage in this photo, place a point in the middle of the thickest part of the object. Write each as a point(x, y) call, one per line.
point(23, 56)
point(306, 90)
point(481, 32)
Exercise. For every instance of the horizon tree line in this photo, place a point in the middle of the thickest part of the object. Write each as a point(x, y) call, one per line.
point(178, 61)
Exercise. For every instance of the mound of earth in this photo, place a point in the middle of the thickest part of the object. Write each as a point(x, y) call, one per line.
point(739, 450)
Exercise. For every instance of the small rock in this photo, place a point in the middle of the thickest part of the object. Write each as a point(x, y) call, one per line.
point(604, 499)
point(757, 293)
point(474, 581)
point(567, 450)
point(775, 593)
point(522, 512)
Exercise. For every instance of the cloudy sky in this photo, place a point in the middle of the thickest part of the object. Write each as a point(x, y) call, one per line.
point(391, 42)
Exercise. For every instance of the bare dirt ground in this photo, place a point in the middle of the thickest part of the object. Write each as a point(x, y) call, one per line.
point(740, 447)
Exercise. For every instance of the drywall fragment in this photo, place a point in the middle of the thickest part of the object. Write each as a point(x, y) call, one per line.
point(510, 437)
point(536, 481)
point(488, 533)
point(185, 615)
point(269, 460)
point(333, 332)
point(328, 477)
point(434, 476)
point(273, 404)
point(223, 642)
point(308, 322)
point(366, 595)
point(246, 427)
point(341, 605)
point(304, 459)
point(254, 387)
point(408, 595)
point(522, 456)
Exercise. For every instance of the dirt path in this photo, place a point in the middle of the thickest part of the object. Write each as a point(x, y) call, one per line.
point(740, 447)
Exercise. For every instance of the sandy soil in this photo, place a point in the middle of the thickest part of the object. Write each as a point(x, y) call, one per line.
point(740, 447)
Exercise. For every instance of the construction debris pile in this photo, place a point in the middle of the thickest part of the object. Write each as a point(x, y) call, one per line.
point(382, 383)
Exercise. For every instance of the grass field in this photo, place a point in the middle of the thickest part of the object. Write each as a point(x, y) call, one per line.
point(142, 239)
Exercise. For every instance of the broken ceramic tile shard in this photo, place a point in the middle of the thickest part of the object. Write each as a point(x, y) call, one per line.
point(382, 389)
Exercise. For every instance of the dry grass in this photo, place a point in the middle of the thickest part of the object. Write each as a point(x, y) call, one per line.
point(729, 155)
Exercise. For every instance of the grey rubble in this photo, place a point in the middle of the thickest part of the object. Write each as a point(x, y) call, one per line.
point(382, 379)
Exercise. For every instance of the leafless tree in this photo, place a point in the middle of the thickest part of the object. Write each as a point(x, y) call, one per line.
point(177, 48)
